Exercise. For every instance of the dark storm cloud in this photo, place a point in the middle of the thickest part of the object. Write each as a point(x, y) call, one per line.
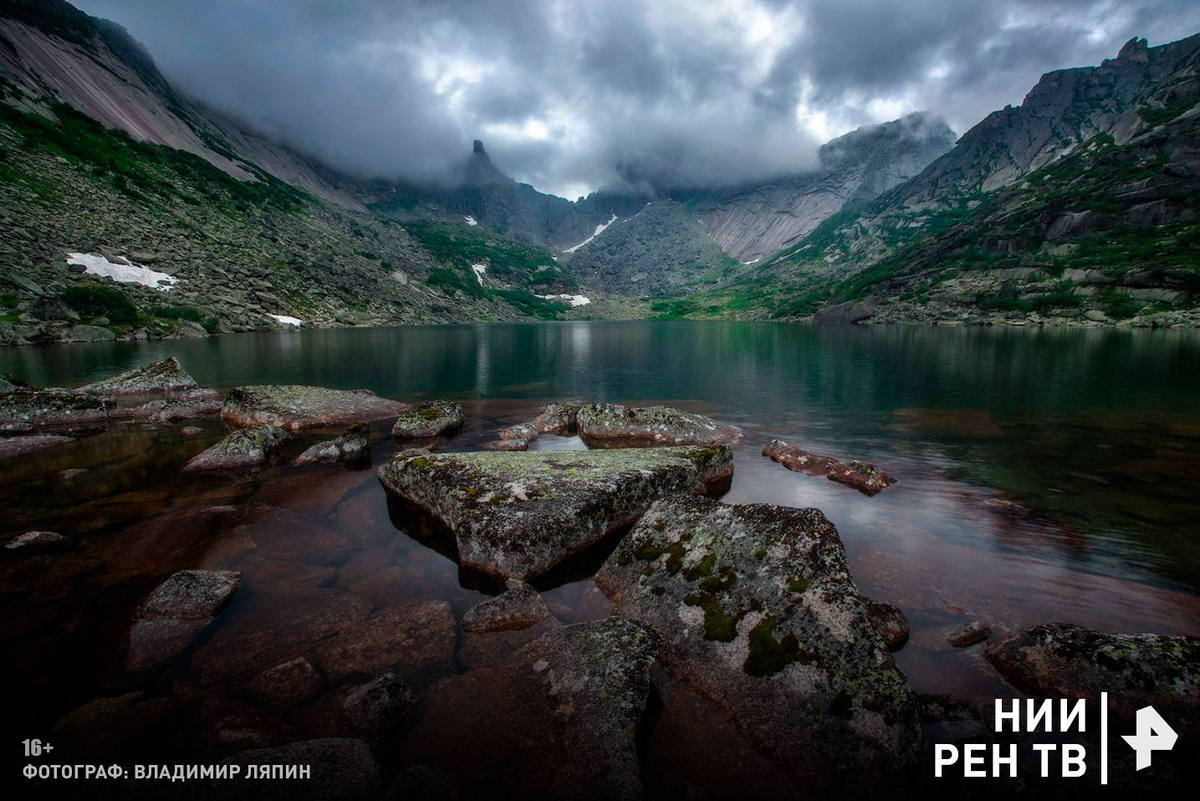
point(572, 95)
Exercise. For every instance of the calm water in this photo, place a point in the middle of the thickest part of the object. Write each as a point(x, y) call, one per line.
point(1043, 475)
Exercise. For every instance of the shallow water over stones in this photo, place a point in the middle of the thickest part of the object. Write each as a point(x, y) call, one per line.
point(1042, 476)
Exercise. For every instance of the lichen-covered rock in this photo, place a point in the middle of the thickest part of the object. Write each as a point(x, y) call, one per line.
point(248, 447)
point(298, 407)
point(760, 615)
point(175, 614)
point(864, 477)
point(610, 425)
point(1060, 660)
point(559, 720)
point(518, 607)
point(890, 622)
point(54, 409)
point(517, 515)
point(183, 408)
point(969, 634)
point(509, 445)
point(428, 419)
point(164, 376)
point(553, 418)
point(11, 447)
point(353, 445)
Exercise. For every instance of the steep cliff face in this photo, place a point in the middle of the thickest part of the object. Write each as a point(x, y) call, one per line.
point(1061, 113)
point(54, 50)
point(755, 222)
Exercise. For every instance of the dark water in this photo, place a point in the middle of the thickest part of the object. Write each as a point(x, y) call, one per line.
point(1043, 475)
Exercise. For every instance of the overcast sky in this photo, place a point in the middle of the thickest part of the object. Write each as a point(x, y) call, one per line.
point(571, 95)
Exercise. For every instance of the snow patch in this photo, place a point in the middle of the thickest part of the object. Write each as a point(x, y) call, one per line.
point(480, 270)
point(471, 220)
point(571, 300)
point(599, 230)
point(752, 261)
point(283, 319)
point(122, 271)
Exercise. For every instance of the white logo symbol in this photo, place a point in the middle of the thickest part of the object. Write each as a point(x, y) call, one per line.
point(1153, 734)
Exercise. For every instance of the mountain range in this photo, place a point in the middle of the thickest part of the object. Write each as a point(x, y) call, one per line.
point(1078, 206)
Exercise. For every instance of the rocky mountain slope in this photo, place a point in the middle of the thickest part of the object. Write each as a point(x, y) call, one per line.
point(1077, 207)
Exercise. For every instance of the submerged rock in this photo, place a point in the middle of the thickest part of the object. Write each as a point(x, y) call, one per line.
point(429, 419)
point(372, 709)
point(559, 720)
point(609, 425)
point(518, 607)
point(19, 446)
point(248, 447)
point(298, 407)
point(353, 445)
point(1056, 660)
point(38, 540)
point(969, 634)
point(518, 515)
point(286, 686)
point(54, 409)
point(889, 622)
point(761, 616)
point(164, 376)
point(175, 614)
point(864, 477)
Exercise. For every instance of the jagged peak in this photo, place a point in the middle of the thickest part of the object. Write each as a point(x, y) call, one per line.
point(477, 148)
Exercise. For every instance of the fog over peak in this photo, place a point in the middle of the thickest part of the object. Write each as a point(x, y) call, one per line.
point(571, 96)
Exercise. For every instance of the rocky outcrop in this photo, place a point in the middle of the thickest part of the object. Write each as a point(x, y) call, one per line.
point(760, 614)
point(560, 719)
point(610, 425)
point(164, 376)
point(176, 613)
point(354, 445)
point(428, 419)
point(54, 409)
point(243, 449)
point(849, 313)
point(517, 515)
point(890, 623)
point(862, 476)
point(1060, 660)
point(300, 407)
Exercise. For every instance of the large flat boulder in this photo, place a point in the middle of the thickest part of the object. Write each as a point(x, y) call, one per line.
point(54, 409)
point(11, 447)
point(298, 407)
point(517, 515)
point(176, 613)
point(611, 425)
point(760, 615)
point(164, 376)
point(558, 720)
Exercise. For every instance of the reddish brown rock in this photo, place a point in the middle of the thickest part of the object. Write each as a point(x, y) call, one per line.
point(249, 447)
point(889, 621)
point(866, 478)
point(286, 686)
point(11, 447)
point(415, 641)
point(969, 634)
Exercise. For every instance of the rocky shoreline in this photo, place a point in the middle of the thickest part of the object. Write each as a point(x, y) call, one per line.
point(749, 611)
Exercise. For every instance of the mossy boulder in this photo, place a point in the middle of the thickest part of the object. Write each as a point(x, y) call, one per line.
point(759, 613)
point(1061, 660)
point(429, 419)
point(245, 448)
point(354, 445)
point(517, 515)
point(558, 720)
point(165, 376)
point(610, 425)
point(296, 407)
